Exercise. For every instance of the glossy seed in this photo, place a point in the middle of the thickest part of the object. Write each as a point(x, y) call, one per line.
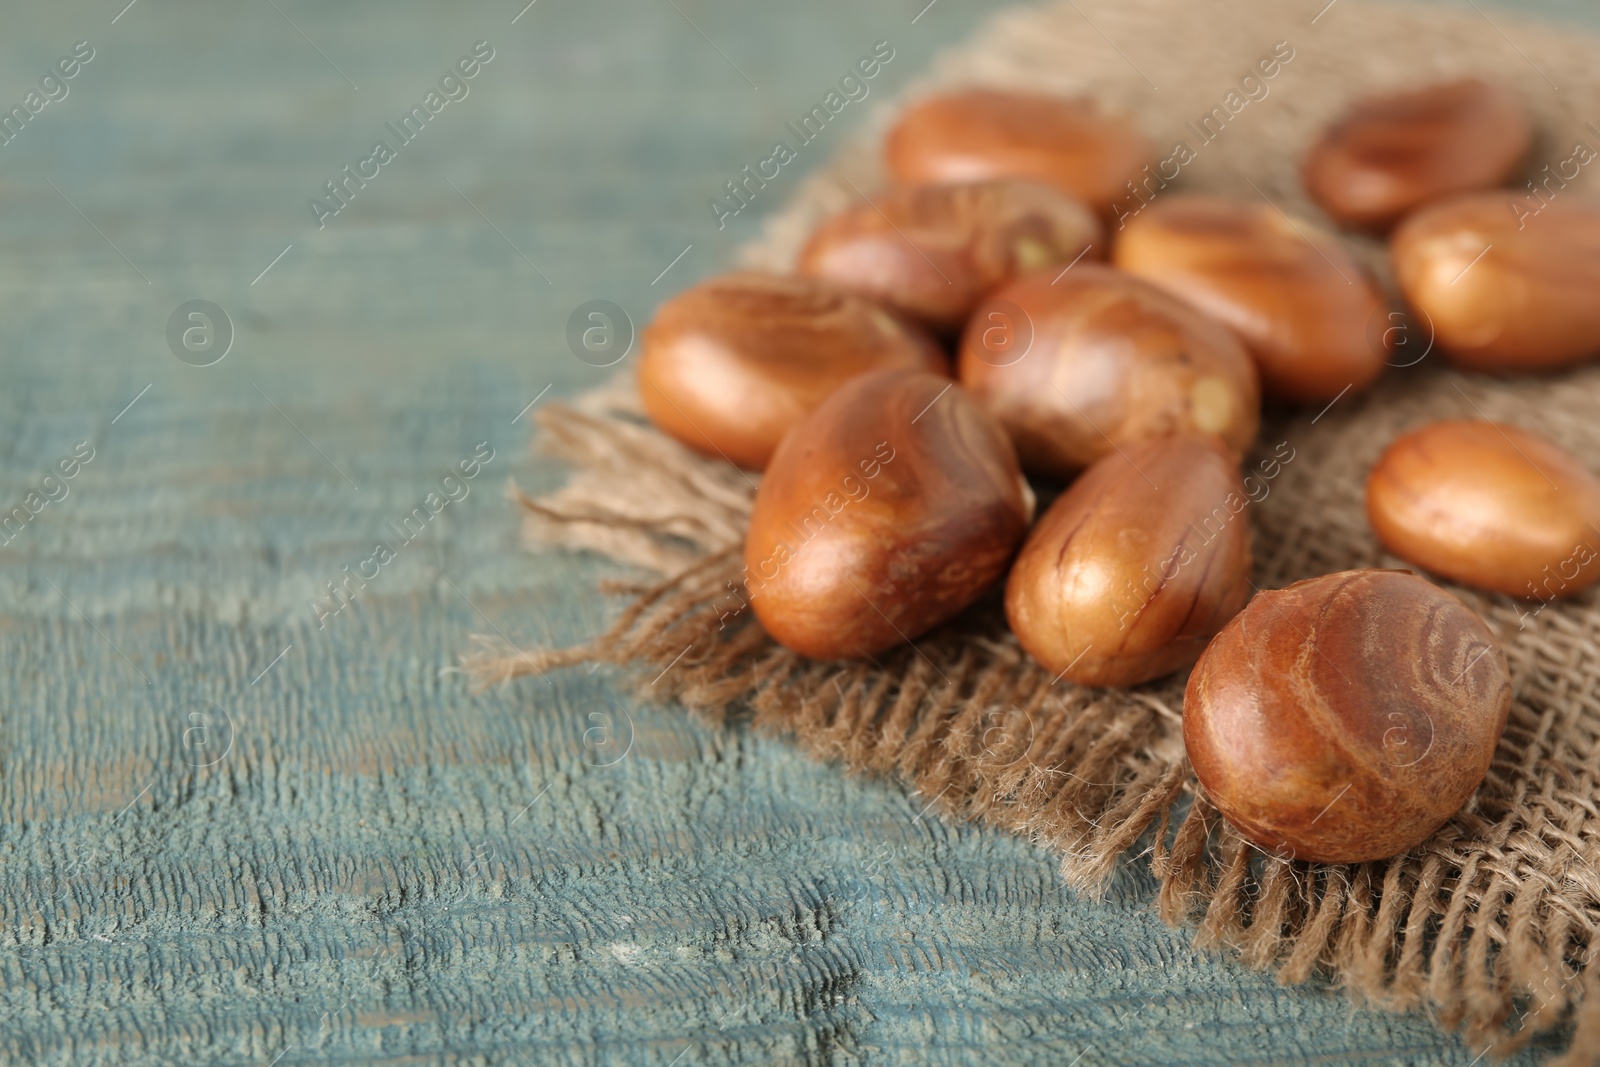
point(1347, 717)
point(1298, 299)
point(934, 251)
point(884, 513)
point(975, 134)
point(1394, 152)
point(730, 365)
point(1076, 365)
point(1134, 568)
point(1502, 287)
point(1489, 505)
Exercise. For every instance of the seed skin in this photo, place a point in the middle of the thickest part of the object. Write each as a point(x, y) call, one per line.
point(884, 513)
point(1293, 293)
point(973, 134)
point(1346, 718)
point(1395, 152)
point(1134, 568)
point(1503, 289)
point(933, 251)
point(1489, 505)
point(730, 365)
point(1111, 360)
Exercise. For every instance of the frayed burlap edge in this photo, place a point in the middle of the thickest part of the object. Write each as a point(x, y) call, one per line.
point(1492, 925)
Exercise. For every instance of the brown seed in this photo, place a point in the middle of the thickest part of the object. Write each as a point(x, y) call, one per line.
point(731, 364)
point(1292, 291)
point(1392, 153)
point(1136, 566)
point(1078, 364)
point(934, 251)
point(1489, 505)
point(1505, 289)
point(1346, 718)
point(988, 133)
point(735, 362)
point(883, 513)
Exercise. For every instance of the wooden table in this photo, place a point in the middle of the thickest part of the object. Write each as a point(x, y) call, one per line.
point(238, 826)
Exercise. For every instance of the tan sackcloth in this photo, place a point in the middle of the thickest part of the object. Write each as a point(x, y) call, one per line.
point(1492, 924)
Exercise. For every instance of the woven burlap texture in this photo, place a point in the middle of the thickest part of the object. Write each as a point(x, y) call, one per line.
point(1492, 924)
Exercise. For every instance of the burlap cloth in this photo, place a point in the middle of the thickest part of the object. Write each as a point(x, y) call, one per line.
point(1492, 924)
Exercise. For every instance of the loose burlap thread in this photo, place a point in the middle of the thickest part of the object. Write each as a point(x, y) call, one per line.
point(1492, 925)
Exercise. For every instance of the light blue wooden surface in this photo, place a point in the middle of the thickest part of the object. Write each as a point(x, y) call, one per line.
point(230, 834)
